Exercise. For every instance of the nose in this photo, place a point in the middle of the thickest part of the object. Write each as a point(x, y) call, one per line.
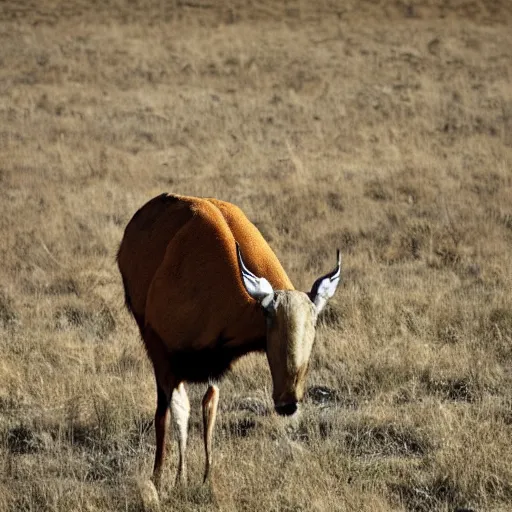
point(286, 409)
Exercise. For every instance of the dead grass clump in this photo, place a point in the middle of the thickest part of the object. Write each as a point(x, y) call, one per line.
point(23, 439)
point(8, 318)
point(360, 436)
point(130, 362)
point(503, 412)
point(191, 498)
point(100, 437)
point(249, 404)
point(240, 427)
point(46, 494)
point(483, 475)
point(500, 320)
point(427, 496)
point(380, 375)
point(292, 211)
point(322, 395)
point(414, 243)
point(377, 191)
point(458, 389)
point(384, 439)
point(90, 323)
point(450, 330)
point(332, 315)
point(63, 286)
point(494, 330)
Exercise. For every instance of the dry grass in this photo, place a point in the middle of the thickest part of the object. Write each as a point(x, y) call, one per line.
point(383, 128)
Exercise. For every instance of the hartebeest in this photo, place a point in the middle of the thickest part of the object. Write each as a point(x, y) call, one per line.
point(190, 270)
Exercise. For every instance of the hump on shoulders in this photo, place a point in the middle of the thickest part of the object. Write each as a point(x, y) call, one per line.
point(175, 227)
point(257, 254)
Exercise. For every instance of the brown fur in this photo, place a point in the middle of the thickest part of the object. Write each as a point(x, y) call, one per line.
point(181, 279)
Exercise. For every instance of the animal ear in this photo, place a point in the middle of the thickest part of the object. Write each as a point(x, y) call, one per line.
point(257, 287)
point(324, 287)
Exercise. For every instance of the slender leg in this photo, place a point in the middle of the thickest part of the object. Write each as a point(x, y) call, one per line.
point(162, 411)
point(210, 403)
point(165, 384)
point(180, 414)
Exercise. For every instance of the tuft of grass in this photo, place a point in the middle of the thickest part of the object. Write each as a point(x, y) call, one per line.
point(7, 313)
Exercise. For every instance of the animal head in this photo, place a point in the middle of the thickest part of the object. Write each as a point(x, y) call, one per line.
point(291, 324)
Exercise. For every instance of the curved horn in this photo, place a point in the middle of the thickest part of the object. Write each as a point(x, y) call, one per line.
point(324, 287)
point(257, 287)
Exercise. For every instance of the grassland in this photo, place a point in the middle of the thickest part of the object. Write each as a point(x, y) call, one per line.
point(383, 128)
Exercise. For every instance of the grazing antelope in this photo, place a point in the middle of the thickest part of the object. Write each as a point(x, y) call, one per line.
point(190, 270)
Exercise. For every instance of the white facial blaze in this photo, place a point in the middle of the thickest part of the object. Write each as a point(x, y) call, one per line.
point(301, 338)
point(289, 342)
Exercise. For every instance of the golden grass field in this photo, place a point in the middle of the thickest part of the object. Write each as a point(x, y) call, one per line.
point(380, 127)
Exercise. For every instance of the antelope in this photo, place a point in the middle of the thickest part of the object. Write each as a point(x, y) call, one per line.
point(205, 288)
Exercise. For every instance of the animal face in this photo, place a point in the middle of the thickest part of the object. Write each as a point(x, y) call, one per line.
point(291, 325)
point(291, 319)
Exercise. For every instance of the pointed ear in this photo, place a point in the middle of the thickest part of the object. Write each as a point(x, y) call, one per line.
point(257, 287)
point(324, 287)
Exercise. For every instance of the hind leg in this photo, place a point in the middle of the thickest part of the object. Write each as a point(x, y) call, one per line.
point(210, 403)
point(180, 414)
point(161, 414)
point(165, 385)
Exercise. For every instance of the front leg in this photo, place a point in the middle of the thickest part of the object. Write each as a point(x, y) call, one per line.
point(180, 415)
point(210, 403)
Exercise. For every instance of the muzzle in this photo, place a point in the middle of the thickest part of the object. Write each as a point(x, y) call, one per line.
point(287, 409)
